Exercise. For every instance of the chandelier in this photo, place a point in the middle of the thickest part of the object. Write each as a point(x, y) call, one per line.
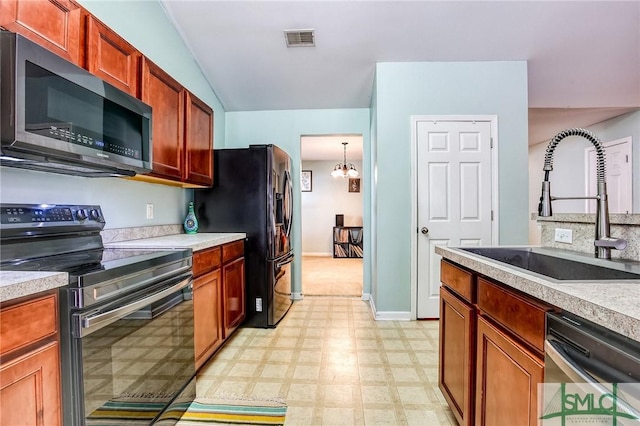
point(344, 169)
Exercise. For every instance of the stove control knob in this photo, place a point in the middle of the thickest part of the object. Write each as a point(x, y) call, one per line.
point(94, 214)
point(81, 214)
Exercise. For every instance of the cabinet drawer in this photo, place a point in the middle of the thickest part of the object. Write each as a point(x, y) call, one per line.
point(28, 322)
point(232, 251)
point(523, 316)
point(458, 280)
point(206, 260)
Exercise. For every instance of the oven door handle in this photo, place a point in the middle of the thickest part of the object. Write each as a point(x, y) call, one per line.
point(91, 322)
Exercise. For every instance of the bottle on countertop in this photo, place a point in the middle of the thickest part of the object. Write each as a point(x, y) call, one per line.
point(191, 222)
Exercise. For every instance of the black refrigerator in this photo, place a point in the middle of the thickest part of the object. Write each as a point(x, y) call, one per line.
point(253, 193)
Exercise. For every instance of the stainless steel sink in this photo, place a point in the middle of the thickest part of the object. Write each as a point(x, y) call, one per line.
point(560, 264)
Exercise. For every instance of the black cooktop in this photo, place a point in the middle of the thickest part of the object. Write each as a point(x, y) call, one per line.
point(97, 265)
point(66, 238)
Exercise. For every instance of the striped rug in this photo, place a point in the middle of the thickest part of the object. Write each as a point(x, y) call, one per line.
point(198, 412)
point(230, 412)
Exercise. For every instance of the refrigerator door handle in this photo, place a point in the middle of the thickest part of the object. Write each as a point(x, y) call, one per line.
point(285, 261)
point(289, 208)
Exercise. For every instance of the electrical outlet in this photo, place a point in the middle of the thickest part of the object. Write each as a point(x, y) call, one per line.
point(149, 211)
point(564, 236)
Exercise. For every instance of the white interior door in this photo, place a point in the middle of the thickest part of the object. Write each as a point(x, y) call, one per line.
point(618, 176)
point(454, 197)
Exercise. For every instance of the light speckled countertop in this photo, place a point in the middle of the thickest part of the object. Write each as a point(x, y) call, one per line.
point(612, 304)
point(14, 284)
point(180, 241)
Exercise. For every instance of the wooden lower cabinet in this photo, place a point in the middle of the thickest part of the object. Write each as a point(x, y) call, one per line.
point(507, 378)
point(233, 295)
point(457, 348)
point(491, 355)
point(218, 297)
point(206, 306)
point(30, 390)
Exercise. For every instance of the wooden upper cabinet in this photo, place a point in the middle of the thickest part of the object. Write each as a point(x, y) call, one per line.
point(167, 98)
point(111, 58)
point(54, 24)
point(182, 124)
point(198, 142)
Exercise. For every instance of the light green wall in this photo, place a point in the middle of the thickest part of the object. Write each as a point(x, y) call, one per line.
point(439, 88)
point(284, 129)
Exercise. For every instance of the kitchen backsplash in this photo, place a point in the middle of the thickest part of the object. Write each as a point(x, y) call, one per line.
point(625, 226)
point(136, 233)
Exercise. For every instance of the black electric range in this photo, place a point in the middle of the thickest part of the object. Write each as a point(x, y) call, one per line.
point(126, 316)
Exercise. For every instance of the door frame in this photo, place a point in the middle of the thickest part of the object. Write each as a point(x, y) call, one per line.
point(493, 120)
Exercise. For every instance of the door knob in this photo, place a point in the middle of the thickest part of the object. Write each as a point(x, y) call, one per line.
point(424, 230)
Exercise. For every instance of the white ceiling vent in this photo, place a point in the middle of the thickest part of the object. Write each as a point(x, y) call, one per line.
point(300, 38)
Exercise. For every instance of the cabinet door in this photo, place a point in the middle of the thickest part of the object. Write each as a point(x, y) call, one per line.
point(111, 58)
point(199, 142)
point(507, 378)
point(457, 349)
point(54, 24)
point(30, 388)
point(233, 295)
point(207, 316)
point(166, 97)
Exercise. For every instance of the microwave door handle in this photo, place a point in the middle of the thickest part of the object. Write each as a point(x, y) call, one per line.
point(92, 322)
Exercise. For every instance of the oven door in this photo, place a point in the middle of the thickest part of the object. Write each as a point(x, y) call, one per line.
point(130, 358)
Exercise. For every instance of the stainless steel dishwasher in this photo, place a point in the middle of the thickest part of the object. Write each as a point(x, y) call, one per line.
point(592, 374)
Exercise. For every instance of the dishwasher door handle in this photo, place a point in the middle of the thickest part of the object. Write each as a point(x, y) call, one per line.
point(94, 321)
point(575, 373)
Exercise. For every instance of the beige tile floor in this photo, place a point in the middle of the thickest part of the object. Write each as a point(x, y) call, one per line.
point(334, 365)
point(326, 276)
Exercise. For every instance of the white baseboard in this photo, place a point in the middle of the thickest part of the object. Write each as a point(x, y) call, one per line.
point(297, 295)
point(319, 254)
point(366, 296)
point(393, 316)
point(388, 315)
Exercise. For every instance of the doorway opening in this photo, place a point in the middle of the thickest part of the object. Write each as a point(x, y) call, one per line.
point(331, 216)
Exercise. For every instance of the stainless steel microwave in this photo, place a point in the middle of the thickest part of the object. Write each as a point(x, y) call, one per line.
point(57, 117)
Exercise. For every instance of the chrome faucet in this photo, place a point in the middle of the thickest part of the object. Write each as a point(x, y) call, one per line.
point(603, 241)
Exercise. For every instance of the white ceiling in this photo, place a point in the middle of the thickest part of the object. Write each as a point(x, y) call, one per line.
point(582, 55)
